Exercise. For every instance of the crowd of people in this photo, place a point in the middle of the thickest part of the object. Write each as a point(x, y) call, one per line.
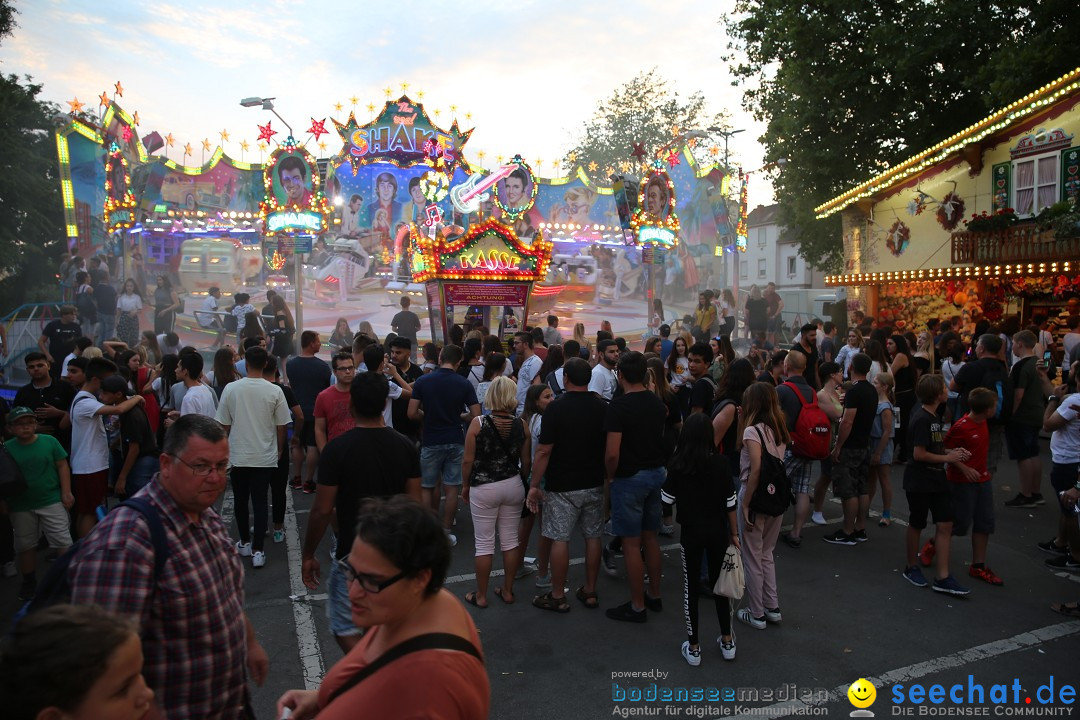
point(565, 436)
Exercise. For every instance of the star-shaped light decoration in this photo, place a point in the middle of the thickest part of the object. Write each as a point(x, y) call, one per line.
point(593, 167)
point(353, 100)
point(624, 166)
point(322, 145)
point(224, 135)
point(500, 158)
point(244, 145)
point(453, 109)
point(103, 99)
point(318, 128)
point(262, 146)
point(674, 131)
point(337, 107)
point(673, 158)
point(539, 162)
point(206, 144)
point(404, 88)
point(639, 151)
point(389, 91)
point(420, 95)
point(187, 149)
point(170, 140)
point(75, 105)
point(481, 154)
point(571, 158)
point(135, 117)
point(468, 116)
point(371, 107)
point(437, 112)
point(119, 88)
point(609, 171)
point(125, 132)
point(692, 143)
point(265, 131)
point(714, 150)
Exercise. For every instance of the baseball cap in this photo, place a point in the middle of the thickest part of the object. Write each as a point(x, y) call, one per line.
point(18, 412)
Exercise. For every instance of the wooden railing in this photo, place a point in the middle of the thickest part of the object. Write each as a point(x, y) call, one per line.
point(1022, 243)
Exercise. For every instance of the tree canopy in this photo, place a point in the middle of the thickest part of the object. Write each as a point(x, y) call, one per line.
point(848, 89)
point(644, 110)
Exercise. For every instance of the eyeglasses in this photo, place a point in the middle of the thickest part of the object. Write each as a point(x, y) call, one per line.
point(204, 469)
point(350, 368)
point(370, 583)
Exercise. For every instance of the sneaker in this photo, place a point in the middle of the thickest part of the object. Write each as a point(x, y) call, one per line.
point(309, 488)
point(950, 586)
point(258, 559)
point(1053, 548)
point(818, 519)
point(691, 656)
point(746, 617)
point(27, 589)
point(279, 536)
point(543, 582)
point(985, 573)
point(451, 537)
point(525, 570)
point(243, 549)
point(295, 483)
point(914, 576)
point(668, 529)
point(654, 604)
point(609, 562)
point(840, 538)
point(727, 649)
point(1038, 499)
point(1020, 501)
point(773, 615)
point(791, 541)
point(10, 570)
point(627, 613)
point(1063, 562)
point(926, 555)
point(860, 536)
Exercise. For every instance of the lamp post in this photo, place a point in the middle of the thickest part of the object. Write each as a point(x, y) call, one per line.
point(298, 277)
point(727, 136)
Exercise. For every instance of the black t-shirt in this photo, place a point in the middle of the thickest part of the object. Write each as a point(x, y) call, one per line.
point(57, 393)
point(308, 376)
point(574, 426)
point(927, 431)
point(978, 374)
point(702, 500)
point(62, 337)
point(701, 394)
point(399, 408)
point(105, 297)
point(405, 324)
point(810, 373)
point(766, 377)
point(639, 416)
point(135, 427)
point(364, 463)
point(863, 397)
point(290, 396)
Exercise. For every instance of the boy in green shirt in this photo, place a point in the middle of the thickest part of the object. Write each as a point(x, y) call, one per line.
point(42, 508)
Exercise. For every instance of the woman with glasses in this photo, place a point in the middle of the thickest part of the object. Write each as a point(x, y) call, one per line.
point(421, 655)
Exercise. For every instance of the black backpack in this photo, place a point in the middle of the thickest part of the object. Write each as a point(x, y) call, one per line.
point(55, 587)
point(231, 324)
point(772, 496)
point(84, 303)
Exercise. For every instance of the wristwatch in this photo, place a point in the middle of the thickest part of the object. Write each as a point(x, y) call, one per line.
point(1053, 398)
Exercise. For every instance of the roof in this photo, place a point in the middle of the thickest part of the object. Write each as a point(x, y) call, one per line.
point(1048, 94)
point(763, 215)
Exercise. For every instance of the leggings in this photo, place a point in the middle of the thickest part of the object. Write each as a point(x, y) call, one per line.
point(251, 483)
point(278, 483)
point(694, 551)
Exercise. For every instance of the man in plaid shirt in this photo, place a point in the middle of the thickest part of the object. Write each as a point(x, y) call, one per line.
point(196, 638)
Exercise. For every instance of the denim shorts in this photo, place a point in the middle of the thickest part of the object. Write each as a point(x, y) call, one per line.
point(441, 462)
point(635, 502)
point(338, 607)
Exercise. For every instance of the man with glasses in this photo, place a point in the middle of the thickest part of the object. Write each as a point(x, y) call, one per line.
point(199, 638)
point(333, 415)
point(391, 466)
point(255, 414)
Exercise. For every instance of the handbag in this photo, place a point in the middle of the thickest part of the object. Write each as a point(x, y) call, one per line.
point(731, 583)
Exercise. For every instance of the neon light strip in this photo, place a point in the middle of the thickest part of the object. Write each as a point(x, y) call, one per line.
point(951, 273)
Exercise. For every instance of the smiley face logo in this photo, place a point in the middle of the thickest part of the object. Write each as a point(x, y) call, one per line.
point(862, 693)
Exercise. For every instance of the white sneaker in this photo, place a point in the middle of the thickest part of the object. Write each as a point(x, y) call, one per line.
point(243, 549)
point(279, 536)
point(727, 649)
point(818, 519)
point(258, 559)
point(451, 537)
point(11, 571)
point(692, 657)
point(525, 570)
point(773, 616)
point(745, 616)
point(668, 529)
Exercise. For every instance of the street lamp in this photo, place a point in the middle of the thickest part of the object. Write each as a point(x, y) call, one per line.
point(727, 136)
point(298, 277)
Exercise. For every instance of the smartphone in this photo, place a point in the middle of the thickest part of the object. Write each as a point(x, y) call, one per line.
point(1047, 357)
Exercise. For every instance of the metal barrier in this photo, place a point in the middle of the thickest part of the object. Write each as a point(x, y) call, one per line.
point(23, 327)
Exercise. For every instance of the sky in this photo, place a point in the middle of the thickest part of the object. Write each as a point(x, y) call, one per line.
point(529, 73)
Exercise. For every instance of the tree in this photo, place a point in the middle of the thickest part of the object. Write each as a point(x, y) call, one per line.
point(848, 89)
point(643, 110)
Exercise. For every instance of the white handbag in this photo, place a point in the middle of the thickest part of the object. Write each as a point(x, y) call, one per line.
point(731, 583)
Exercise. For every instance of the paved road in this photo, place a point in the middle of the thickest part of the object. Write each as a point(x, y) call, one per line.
point(847, 614)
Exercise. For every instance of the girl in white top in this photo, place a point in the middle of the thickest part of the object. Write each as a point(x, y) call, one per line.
point(678, 363)
point(854, 345)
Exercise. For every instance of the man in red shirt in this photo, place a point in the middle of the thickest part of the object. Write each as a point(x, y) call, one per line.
point(972, 493)
point(333, 416)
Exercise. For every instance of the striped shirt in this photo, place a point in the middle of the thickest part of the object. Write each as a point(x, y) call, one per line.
point(192, 624)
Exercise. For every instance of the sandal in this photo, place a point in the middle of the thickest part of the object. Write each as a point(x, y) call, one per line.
point(471, 598)
point(1067, 609)
point(549, 602)
point(499, 594)
point(589, 600)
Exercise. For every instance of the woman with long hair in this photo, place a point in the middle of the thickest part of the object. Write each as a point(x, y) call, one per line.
point(224, 371)
point(727, 313)
point(699, 483)
point(879, 360)
point(537, 398)
point(678, 363)
point(342, 337)
point(283, 331)
point(904, 372)
point(881, 446)
point(762, 429)
point(166, 305)
point(924, 353)
point(756, 313)
point(252, 327)
point(652, 345)
point(723, 356)
point(494, 366)
point(128, 306)
point(584, 342)
point(552, 362)
point(364, 328)
point(153, 351)
point(853, 347)
point(729, 398)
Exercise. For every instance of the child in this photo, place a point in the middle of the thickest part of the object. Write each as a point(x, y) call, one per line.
point(927, 487)
point(972, 493)
point(881, 446)
point(42, 508)
point(241, 307)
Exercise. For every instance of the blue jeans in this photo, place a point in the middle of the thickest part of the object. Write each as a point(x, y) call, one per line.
point(635, 502)
point(106, 328)
point(141, 475)
point(338, 607)
point(441, 462)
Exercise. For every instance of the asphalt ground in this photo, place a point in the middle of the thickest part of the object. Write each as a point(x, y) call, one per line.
point(847, 614)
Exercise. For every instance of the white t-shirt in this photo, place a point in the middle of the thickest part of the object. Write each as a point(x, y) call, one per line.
point(199, 400)
point(1065, 442)
point(89, 444)
point(63, 368)
point(254, 408)
point(476, 374)
point(166, 348)
point(526, 373)
point(129, 303)
point(210, 304)
point(682, 377)
point(603, 381)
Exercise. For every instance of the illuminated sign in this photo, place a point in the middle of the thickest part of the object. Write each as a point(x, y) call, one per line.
point(119, 200)
point(649, 235)
point(741, 231)
point(487, 251)
point(293, 201)
point(288, 221)
point(655, 222)
point(403, 135)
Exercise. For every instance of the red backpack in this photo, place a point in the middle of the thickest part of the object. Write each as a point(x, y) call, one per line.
point(813, 431)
